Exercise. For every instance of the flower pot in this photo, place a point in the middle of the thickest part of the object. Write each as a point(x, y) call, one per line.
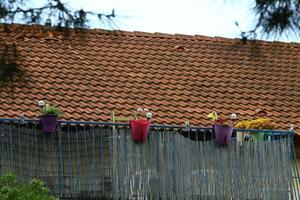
point(223, 134)
point(139, 129)
point(48, 123)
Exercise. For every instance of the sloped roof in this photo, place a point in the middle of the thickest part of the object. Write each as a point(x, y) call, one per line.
point(87, 73)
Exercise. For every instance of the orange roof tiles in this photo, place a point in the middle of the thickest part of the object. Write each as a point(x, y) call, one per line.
point(178, 77)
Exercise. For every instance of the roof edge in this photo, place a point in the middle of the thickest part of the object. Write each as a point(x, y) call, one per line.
point(165, 35)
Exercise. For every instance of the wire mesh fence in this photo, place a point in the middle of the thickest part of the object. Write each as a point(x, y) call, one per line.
point(88, 159)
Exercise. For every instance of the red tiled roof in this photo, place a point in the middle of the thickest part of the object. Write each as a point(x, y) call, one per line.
point(178, 77)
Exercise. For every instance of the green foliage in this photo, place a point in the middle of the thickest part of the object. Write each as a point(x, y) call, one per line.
point(10, 189)
point(58, 11)
point(275, 17)
point(51, 110)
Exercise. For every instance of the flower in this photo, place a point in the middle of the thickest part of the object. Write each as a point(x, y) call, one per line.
point(213, 116)
point(148, 114)
point(41, 103)
point(258, 123)
point(47, 109)
point(233, 116)
point(220, 121)
point(140, 110)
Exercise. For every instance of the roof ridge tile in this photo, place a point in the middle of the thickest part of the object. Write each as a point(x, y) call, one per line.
point(102, 31)
point(164, 35)
point(184, 36)
point(295, 44)
point(206, 38)
point(123, 33)
point(143, 34)
point(281, 43)
point(223, 39)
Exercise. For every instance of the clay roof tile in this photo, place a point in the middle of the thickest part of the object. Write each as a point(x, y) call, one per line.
point(178, 77)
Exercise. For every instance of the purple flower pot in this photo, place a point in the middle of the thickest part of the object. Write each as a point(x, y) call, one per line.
point(223, 134)
point(48, 123)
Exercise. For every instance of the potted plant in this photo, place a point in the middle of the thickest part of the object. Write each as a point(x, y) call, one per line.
point(140, 127)
point(260, 123)
point(223, 130)
point(48, 117)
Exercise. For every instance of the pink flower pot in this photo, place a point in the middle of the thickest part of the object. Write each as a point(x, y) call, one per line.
point(139, 129)
point(223, 134)
point(48, 123)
